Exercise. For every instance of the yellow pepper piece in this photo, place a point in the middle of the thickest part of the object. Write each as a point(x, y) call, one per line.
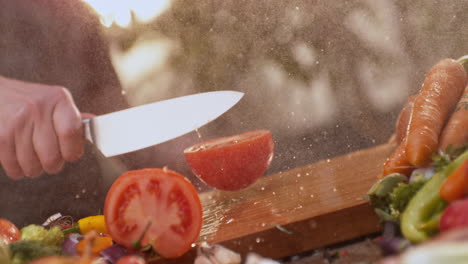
point(90, 223)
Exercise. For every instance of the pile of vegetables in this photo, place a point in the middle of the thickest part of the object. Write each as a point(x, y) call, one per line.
point(424, 192)
point(84, 242)
point(148, 213)
point(420, 206)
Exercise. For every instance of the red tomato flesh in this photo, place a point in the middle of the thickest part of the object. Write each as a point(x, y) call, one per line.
point(162, 198)
point(232, 163)
point(8, 232)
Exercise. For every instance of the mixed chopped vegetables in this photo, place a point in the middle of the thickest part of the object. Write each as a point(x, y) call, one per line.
point(163, 198)
point(417, 208)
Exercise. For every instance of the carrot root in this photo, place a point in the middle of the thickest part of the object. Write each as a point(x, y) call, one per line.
point(438, 97)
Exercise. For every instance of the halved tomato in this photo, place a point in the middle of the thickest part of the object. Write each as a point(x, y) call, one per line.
point(8, 231)
point(158, 204)
point(232, 163)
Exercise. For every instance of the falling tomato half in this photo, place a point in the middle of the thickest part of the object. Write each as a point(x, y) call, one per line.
point(232, 163)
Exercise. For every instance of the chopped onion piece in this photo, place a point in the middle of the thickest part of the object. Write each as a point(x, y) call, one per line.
point(69, 244)
point(425, 172)
point(113, 253)
point(51, 219)
point(216, 254)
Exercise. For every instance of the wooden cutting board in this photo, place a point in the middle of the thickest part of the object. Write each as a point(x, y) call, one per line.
point(295, 211)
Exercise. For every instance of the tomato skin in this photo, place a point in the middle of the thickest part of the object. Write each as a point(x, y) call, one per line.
point(232, 163)
point(159, 200)
point(131, 260)
point(454, 216)
point(8, 231)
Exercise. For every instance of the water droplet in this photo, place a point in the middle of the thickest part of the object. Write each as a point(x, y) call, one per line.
point(317, 62)
point(198, 134)
point(297, 8)
point(193, 245)
point(301, 188)
point(83, 191)
point(77, 196)
point(258, 240)
point(312, 196)
point(328, 160)
point(262, 188)
point(263, 224)
point(307, 174)
point(229, 221)
point(123, 92)
point(274, 193)
point(334, 189)
point(298, 175)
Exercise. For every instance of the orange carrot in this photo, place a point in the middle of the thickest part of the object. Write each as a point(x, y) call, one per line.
point(398, 163)
point(455, 132)
point(436, 100)
point(403, 119)
point(455, 186)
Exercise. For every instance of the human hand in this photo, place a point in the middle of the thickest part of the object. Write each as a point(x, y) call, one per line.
point(40, 128)
point(433, 119)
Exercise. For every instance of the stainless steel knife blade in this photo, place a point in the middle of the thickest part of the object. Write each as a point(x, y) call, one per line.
point(147, 125)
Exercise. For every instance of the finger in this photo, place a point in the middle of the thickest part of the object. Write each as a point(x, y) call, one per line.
point(46, 145)
point(25, 153)
point(8, 157)
point(68, 126)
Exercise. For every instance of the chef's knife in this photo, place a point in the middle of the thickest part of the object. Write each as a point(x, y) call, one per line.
point(147, 125)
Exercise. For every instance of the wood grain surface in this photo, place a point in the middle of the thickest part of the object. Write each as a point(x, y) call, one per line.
point(297, 210)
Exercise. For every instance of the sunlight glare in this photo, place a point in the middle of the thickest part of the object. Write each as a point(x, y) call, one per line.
point(119, 11)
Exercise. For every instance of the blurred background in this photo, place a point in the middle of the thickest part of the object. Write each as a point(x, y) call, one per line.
point(325, 77)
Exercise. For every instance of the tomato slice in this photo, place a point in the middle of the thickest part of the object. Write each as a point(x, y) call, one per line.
point(232, 163)
point(159, 203)
point(8, 231)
